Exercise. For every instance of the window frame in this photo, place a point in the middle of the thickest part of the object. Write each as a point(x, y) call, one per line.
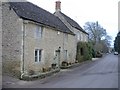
point(38, 32)
point(38, 55)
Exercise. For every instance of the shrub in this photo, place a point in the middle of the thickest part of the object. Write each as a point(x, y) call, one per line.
point(53, 65)
point(64, 63)
point(98, 54)
point(84, 51)
point(44, 70)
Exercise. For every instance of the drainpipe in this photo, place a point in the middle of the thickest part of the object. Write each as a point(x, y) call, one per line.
point(22, 61)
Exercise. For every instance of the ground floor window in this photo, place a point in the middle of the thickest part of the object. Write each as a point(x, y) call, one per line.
point(38, 55)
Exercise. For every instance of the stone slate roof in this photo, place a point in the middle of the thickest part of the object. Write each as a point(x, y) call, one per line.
point(73, 23)
point(29, 11)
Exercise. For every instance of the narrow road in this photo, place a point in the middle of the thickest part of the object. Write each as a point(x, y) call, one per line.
point(101, 73)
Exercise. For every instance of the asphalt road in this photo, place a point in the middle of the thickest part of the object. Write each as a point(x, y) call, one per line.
point(0, 75)
point(101, 73)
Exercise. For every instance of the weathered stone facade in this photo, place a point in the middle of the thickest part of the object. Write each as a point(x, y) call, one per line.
point(50, 42)
point(11, 40)
point(0, 41)
point(19, 44)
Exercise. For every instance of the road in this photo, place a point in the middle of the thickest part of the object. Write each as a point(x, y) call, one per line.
point(0, 74)
point(101, 73)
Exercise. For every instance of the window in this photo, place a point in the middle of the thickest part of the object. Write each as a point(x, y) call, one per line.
point(81, 37)
point(38, 55)
point(78, 36)
point(39, 31)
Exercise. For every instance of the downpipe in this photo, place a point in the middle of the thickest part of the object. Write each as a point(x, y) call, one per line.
point(22, 59)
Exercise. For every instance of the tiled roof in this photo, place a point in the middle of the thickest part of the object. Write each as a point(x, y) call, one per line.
point(72, 22)
point(29, 11)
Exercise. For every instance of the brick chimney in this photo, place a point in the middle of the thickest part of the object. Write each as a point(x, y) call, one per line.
point(58, 6)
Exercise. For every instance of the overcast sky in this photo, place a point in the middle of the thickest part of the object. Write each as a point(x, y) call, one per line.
point(103, 11)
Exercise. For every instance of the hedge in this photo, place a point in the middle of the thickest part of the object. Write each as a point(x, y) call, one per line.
point(84, 51)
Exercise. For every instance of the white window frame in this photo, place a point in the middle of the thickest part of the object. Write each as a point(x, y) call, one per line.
point(38, 57)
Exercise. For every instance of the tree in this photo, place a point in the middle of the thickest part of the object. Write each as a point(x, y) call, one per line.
point(117, 43)
point(96, 32)
point(98, 35)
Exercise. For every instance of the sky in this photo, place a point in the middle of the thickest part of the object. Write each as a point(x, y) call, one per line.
point(82, 11)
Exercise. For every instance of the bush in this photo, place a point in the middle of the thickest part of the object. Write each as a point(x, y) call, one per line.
point(98, 54)
point(64, 63)
point(53, 65)
point(44, 70)
point(84, 51)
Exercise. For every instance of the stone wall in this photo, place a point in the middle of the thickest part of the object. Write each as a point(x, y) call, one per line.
point(19, 44)
point(11, 40)
point(49, 43)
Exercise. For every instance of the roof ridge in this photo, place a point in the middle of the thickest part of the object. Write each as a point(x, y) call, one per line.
point(73, 23)
point(30, 11)
point(70, 18)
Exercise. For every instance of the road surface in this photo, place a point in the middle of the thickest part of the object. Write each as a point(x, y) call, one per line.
point(101, 73)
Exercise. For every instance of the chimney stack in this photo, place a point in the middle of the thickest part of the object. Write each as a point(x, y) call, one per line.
point(58, 6)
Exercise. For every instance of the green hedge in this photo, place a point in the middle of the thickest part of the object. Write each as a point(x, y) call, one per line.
point(84, 51)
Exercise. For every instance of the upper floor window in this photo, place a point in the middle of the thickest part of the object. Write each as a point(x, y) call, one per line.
point(86, 38)
point(78, 36)
point(82, 37)
point(39, 32)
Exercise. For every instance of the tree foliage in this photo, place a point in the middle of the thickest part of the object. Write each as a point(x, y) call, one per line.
point(117, 43)
point(96, 32)
point(98, 36)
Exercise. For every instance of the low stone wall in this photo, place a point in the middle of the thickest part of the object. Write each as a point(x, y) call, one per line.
point(39, 76)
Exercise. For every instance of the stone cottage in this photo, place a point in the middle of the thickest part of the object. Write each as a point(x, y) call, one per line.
point(80, 34)
point(34, 39)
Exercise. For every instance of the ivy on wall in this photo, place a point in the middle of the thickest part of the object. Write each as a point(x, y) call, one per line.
point(84, 51)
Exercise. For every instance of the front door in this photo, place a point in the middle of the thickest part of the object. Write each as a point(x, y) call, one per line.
point(57, 58)
point(65, 55)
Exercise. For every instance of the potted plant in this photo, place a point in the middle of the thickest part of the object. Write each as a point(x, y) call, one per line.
point(64, 63)
point(53, 65)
